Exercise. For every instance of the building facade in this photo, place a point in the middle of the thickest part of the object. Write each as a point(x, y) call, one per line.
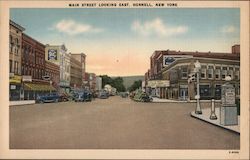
point(53, 72)
point(75, 73)
point(15, 59)
point(81, 57)
point(58, 55)
point(172, 71)
point(33, 69)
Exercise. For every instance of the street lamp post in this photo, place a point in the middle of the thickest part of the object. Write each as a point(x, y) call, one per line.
point(197, 70)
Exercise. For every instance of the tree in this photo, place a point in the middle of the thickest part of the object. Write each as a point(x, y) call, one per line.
point(106, 80)
point(118, 84)
point(114, 82)
point(135, 85)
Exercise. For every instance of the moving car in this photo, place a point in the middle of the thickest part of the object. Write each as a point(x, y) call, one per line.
point(53, 97)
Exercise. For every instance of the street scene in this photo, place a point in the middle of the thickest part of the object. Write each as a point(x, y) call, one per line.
point(87, 79)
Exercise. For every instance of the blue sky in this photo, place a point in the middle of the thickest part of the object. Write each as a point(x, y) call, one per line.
point(127, 37)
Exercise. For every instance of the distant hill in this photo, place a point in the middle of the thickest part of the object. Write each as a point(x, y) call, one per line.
point(129, 80)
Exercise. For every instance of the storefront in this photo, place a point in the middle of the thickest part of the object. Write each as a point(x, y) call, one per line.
point(158, 88)
point(32, 90)
point(15, 87)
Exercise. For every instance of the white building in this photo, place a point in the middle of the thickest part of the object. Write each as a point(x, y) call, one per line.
point(98, 83)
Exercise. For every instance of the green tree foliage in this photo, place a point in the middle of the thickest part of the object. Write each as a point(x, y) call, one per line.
point(114, 82)
point(135, 85)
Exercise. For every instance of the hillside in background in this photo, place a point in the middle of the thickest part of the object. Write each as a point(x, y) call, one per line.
point(129, 80)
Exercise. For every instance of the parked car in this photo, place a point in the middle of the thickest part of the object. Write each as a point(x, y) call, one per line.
point(103, 94)
point(53, 97)
point(83, 96)
point(146, 98)
point(64, 97)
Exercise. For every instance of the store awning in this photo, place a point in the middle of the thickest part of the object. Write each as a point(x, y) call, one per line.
point(38, 87)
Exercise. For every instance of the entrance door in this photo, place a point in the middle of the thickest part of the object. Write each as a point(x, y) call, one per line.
point(183, 93)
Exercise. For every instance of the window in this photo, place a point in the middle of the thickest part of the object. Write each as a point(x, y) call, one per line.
point(217, 72)
point(224, 73)
point(210, 72)
point(203, 72)
point(237, 74)
point(231, 72)
point(217, 91)
point(10, 65)
point(184, 72)
point(16, 67)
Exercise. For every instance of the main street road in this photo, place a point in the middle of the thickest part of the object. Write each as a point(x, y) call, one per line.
point(114, 123)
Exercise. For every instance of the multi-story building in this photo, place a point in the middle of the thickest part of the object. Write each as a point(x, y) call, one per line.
point(81, 57)
point(169, 78)
point(15, 45)
point(58, 54)
point(53, 71)
point(33, 68)
point(75, 73)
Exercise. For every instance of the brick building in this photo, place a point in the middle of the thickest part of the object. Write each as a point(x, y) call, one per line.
point(33, 68)
point(172, 68)
point(81, 57)
point(75, 73)
point(53, 71)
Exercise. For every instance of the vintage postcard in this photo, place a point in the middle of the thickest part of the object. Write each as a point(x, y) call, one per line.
point(124, 79)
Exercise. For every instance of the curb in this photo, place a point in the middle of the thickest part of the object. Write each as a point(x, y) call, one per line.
point(214, 124)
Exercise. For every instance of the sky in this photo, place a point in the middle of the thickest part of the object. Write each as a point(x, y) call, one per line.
point(119, 42)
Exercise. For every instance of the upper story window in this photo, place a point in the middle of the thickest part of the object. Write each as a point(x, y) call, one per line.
point(203, 72)
point(210, 72)
point(184, 72)
point(231, 72)
point(237, 74)
point(224, 72)
point(217, 72)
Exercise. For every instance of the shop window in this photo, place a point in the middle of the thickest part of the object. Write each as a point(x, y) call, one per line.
point(217, 92)
point(205, 91)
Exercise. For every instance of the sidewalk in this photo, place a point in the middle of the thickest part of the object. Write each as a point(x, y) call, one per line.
point(24, 102)
point(205, 117)
point(159, 100)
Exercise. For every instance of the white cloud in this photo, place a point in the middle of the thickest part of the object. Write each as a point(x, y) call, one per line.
point(72, 27)
point(156, 26)
point(228, 29)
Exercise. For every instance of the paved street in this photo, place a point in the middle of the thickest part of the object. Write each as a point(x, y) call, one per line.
point(114, 123)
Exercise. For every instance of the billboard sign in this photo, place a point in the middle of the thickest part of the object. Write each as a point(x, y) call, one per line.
point(52, 54)
point(168, 59)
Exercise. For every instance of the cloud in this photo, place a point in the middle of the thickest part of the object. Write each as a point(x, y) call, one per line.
point(72, 27)
point(156, 26)
point(228, 29)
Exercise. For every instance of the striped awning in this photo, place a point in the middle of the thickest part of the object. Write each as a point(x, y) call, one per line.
point(38, 87)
